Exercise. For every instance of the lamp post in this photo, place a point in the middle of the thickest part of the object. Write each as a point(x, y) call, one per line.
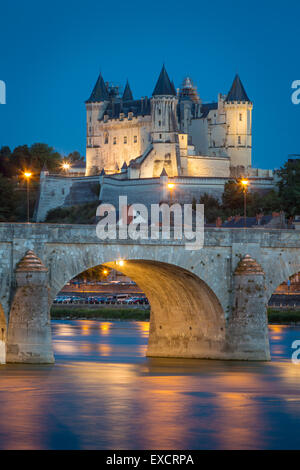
point(27, 175)
point(245, 187)
point(171, 186)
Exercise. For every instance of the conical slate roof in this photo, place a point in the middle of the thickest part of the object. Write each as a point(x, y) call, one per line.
point(237, 91)
point(99, 92)
point(124, 166)
point(164, 86)
point(102, 172)
point(127, 95)
point(31, 262)
point(248, 265)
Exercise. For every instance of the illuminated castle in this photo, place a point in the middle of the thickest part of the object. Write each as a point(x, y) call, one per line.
point(172, 130)
point(135, 146)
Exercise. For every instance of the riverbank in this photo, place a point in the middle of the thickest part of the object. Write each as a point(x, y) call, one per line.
point(141, 313)
point(286, 317)
point(102, 313)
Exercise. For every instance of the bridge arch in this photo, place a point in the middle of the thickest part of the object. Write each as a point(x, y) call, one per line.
point(280, 269)
point(186, 319)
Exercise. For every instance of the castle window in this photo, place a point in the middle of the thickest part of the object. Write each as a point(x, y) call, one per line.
point(135, 139)
point(241, 117)
point(159, 123)
point(125, 139)
point(159, 111)
point(115, 141)
point(239, 140)
point(106, 138)
point(160, 136)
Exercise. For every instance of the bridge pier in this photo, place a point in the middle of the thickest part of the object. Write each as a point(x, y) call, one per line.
point(247, 326)
point(29, 332)
point(3, 329)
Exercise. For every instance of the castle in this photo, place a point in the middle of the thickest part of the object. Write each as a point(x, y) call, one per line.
point(135, 146)
point(173, 130)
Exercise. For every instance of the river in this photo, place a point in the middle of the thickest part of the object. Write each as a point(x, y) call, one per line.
point(103, 393)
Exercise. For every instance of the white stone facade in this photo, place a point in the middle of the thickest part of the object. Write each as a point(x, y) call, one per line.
point(187, 137)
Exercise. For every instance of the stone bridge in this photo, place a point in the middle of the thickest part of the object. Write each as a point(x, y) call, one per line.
point(209, 303)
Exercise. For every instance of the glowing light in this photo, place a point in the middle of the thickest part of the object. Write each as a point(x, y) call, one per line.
point(105, 327)
point(66, 166)
point(245, 182)
point(105, 272)
point(171, 185)
point(27, 174)
point(120, 262)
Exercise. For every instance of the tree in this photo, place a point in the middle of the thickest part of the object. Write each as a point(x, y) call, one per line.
point(8, 200)
point(74, 157)
point(97, 273)
point(289, 187)
point(233, 198)
point(212, 207)
point(43, 154)
point(5, 167)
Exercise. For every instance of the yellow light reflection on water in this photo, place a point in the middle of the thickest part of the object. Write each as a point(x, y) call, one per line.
point(144, 327)
point(105, 327)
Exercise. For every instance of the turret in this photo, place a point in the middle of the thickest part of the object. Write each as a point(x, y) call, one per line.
point(238, 109)
point(95, 109)
point(163, 109)
point(164, 125)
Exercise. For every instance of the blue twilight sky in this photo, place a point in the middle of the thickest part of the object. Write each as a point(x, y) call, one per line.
point(52, 52)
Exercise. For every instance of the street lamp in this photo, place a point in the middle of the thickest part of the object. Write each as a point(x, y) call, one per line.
point(171, 186)
point(66, 166)
point(245, 187)
point(27, 175)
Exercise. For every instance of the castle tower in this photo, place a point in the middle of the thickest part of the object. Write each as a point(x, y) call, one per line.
point(238, 109)
point(95, 109)
point(164, 124)
point(189, 104)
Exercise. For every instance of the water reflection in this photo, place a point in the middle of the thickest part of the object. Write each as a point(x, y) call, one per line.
point(104, 393)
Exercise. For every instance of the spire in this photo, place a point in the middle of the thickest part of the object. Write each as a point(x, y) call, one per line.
point(124, 166)
point(102, 172)
point(237, 91)
point(127, 95)
point(99, 92)
point(164, 173)
point(164, 86)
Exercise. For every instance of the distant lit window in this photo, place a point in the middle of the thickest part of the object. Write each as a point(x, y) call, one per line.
point(125, 139)
point(135, 139)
